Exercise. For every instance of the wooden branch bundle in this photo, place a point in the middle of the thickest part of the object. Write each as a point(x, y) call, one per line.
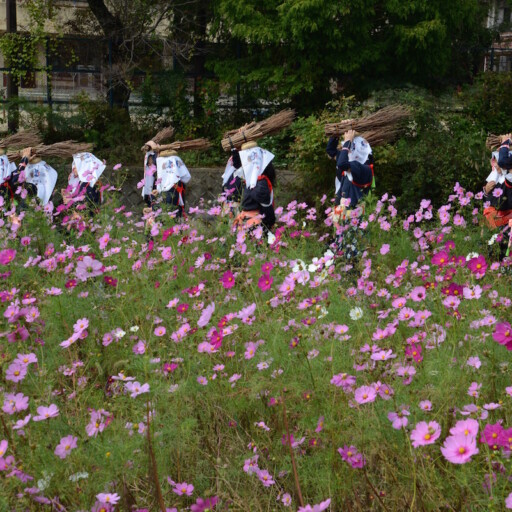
point(21, 140)
point(64, 149)
point(187, 145)
point(257, 130)
point(493, 141)
point(164, 134)
point(377, 128)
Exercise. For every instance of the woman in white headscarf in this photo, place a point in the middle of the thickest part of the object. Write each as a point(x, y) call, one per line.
point(85, 173)
point(354, 167)
point(172, 177)
point(260, 176)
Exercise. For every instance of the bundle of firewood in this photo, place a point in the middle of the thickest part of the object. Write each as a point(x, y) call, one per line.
point(186, 145)
point(257, 130)
point(162, 135)
point(378, 128)
point(64, 149)
point(21, 140)
point(493, 141)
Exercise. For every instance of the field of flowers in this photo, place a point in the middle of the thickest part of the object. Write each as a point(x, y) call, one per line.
point(193, 368)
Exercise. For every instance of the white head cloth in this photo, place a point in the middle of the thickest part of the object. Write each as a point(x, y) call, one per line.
point(170, 170)
point(88, 167)
point(360, 150)
point(254, 162)
point(6, 168)
point(149, 174)
point(231, 171)
point(43, 177)
point(496, 175)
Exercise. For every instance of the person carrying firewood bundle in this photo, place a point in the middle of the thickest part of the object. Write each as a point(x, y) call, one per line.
point(32, 178)
point(354, 167)
point(172, 177)
point(150, 171)
point(83, 180)
point(354, 179)
point(258, 194)
point(498, 188)
point(232, 179)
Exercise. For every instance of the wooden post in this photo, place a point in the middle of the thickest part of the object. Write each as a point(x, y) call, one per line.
point(13, 116)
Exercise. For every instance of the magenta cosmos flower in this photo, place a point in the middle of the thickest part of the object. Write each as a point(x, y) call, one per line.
point(202, 505)
point(477, 265)
point(503, 334)
point(441, 258)
point(425, 433)
point(228, 279)
point(459, 449)
point(65, 446)
point(87, 268)
point(6, 256)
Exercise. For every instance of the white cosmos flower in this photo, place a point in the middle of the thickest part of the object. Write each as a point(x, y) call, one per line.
point(493, 239)
point(472, 255)
point(271, 238)
point(356, 313)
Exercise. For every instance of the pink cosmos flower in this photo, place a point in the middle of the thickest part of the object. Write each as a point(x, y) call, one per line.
point(324, 505)
point(136, 388)
point(399, 419)
point(459, 449)
point(16, 372)
point(81, 325)
point(503, 334)
point(26, 359)
point(384, 249)
point(15, 403)
point(206, 315)
point(21, 423)
point(3, 447)
point(364, 394)
point(265, 477)
point(44, 413)
point(352, 457)
point(286, 499)
point(183, 488)
point(204, 505)
point(468, 428)
point(65, 446)
point(87, 268)
point(251, 465)
point(159, 331)
point(425, 433)
point(108, 499)
point(425, 405)
point(508, 501)
point(418, 294)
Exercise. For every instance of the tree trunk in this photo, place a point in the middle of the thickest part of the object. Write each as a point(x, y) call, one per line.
point(118, 90)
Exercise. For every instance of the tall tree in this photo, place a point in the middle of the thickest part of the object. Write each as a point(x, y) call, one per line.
point(296, 48)
point(137, 35)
